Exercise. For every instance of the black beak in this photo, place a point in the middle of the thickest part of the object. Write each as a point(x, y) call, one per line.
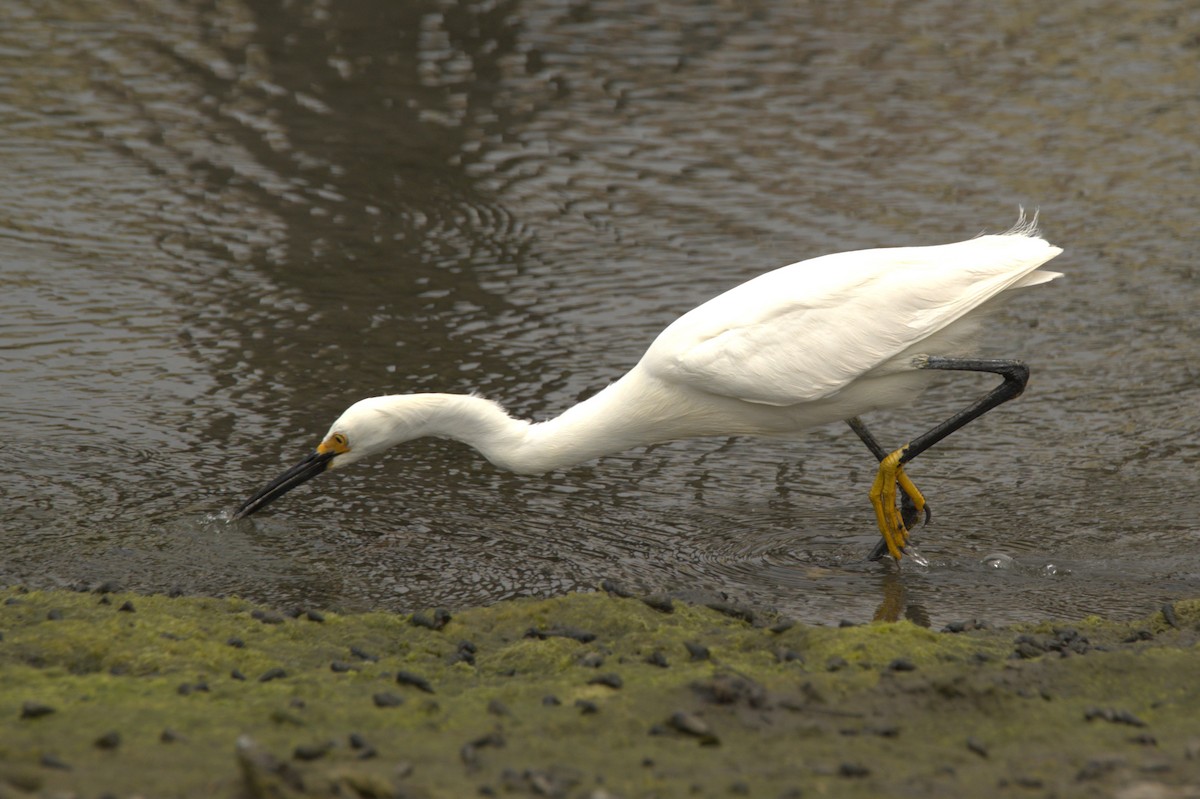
point(302, 472)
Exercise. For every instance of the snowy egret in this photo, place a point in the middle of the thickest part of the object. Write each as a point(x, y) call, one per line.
point(822, 340)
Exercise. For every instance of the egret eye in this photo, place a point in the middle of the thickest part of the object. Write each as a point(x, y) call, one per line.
point(335, 444)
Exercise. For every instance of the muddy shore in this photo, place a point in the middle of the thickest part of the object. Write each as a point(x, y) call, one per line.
point(589, 695)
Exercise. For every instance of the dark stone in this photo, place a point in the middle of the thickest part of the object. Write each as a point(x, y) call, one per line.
point(415, 680)
point(385, 699)
point(729, 689)
point(362, 655)
point(689, 724)
point(698, 651)
point(611, 680)
point(733, 610)
point(660, 602)
point(1112, 715)
point(312, 751)
point(617, 589)
point(272, 674)
point(268, 616)
point(902, 664)
point(440, 618)
point(109, 740)
point(561, 631)
point(657, 658)
point(35, 710)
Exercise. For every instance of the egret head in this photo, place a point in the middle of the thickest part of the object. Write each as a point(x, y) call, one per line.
point(366, 427)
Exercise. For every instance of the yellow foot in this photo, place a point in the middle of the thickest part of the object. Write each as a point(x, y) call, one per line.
point(883, 498)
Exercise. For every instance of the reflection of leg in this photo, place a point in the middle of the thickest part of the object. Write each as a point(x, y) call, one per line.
point(912, 502)
point(891, 607)
point(1015, 375)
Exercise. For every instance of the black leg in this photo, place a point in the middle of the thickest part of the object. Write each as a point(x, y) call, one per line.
point(908, 509)
point(1016, 376)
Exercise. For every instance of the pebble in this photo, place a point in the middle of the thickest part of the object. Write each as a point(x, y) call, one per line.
point(187, 688)
point(1113, 715)
point(415, 680)
point(272, 674)
point(660, 602)
point(611, 680)
point(54, 762)
point(617, 589)
point(109, 740)
point(465, 653)
point(268, 616)
point(440, 618)
point(363, 655)
point(733, 610)
point(364, 749)
point(689, 724)
point(312, 751)
point(657, 658)
point(35, 710)
point(977, 746)
point(561, 631)
point(385, 699)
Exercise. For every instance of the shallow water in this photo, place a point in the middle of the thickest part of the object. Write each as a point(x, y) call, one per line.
point(220, 224)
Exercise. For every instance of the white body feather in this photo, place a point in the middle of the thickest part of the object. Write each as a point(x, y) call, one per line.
point(817, 341)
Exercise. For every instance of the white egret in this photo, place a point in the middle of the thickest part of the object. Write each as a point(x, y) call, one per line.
point(819, 341)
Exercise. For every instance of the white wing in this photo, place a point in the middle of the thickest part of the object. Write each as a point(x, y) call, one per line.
point(804, 331)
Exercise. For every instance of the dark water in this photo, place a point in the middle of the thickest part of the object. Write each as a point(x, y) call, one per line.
point(221, 223)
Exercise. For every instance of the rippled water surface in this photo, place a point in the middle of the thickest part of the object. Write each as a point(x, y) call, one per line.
point(221, 223)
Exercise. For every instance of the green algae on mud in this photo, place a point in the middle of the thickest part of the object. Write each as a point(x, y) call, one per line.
point(587, 695)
